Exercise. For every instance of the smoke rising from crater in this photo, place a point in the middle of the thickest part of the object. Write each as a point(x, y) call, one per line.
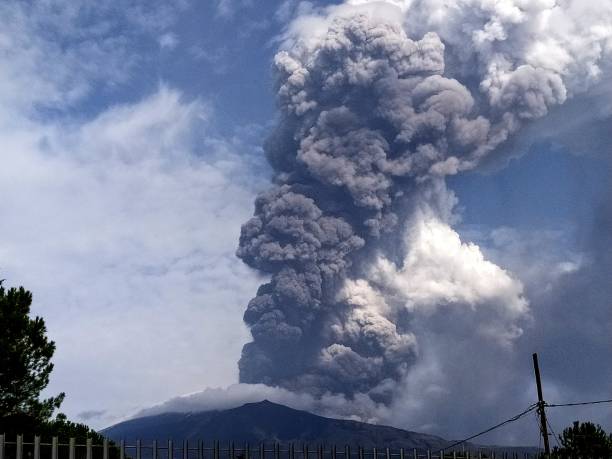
point(378, 102)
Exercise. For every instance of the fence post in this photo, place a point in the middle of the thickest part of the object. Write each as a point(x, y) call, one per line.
point(185, 449)
point(428, 454)
point(122, 449)
point(88, 449)
point(36, 447)
point(216, 454)
point(374, 453)
point(2, 446)
point(441, 454)
point(138, 449)
point(276, 451)
point(19, 446)
point(387, 454)
point(72, 448)
point(401, 453)
point(262, 452)
point(154, 450)
point(414, 454)
point(54, 448)
point(347, 452)
point(170, 449)
point(200, 449)
point(105, 449)
point(360, 452)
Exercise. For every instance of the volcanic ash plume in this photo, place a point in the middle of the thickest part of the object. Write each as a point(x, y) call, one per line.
point(355, 233)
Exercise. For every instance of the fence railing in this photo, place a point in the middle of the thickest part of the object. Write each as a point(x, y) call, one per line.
point(37, 449)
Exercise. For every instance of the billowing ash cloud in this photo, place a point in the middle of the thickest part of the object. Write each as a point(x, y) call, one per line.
point(377, 105)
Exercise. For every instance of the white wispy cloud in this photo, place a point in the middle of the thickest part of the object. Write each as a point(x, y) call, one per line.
point(123, 224)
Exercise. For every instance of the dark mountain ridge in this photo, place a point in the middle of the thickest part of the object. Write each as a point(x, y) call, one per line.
point(267, 422)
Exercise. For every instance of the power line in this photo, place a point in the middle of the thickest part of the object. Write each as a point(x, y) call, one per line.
point(507, 421)
point(596, 402)
point(554, 434)
point(536, 418)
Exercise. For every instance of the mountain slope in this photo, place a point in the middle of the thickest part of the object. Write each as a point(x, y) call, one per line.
point(267, 422)
point(270, 422)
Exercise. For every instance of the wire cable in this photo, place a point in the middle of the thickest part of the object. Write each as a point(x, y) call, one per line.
point(596, 402)
point(507, 421)
point(554, 434)
point(539, 427)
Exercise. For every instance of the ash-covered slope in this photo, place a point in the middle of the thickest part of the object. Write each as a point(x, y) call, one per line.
point(269, 422)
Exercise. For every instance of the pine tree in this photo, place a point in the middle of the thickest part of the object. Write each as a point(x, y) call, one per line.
point(585, 439)
point(25, 362)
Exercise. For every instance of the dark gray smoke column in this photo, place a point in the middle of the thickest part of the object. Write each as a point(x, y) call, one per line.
point(368, 126)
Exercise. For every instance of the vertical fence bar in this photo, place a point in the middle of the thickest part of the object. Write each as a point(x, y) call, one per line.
point(360, 452)
point(138, 449)
point(185, 449)
point(170, 449)
point(105, 449)
point(19, 446)
point(54, 448)
point(428, 454)
point(216, 453)
point(2, 446)
point(387, 454)
point(291, 451)
point(262, 451)
point(454, 454)
point(401, 453)
point(276, 451)
point(154, 450)
point(122, 449)
point(200, 449)
point(414, 454)
point(36, 447)
point(441, 454)
point(72, 448)
point(347, 452)
point(374, 453)
point(88, 449)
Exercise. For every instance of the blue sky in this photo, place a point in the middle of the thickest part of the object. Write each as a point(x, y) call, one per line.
point(131, 134)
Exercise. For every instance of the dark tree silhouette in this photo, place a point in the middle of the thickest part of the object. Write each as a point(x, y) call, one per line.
point(25, 359)
point(25, 367)
point(585, 440)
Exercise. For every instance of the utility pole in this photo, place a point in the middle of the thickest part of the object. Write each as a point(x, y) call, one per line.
point(541, 404)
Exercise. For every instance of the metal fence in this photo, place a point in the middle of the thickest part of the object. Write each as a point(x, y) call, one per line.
point(18, 448)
